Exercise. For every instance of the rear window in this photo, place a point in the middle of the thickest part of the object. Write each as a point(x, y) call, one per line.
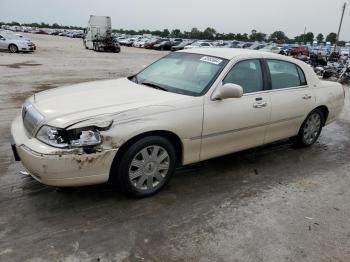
point(285, 74)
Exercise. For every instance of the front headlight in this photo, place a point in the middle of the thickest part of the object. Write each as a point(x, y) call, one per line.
point(62, 138)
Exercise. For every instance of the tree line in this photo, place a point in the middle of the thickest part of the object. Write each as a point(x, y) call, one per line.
point(209, 33)
point(42, 25)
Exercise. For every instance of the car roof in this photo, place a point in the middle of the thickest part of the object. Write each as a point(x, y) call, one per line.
point(227, 53)
point(231, 53)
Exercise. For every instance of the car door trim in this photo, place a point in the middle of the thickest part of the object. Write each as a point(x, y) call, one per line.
point(245, 128)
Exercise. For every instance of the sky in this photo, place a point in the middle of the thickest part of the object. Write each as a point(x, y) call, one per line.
point(290, 16)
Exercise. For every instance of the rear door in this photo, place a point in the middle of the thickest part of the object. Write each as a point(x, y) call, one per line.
point(291, 99)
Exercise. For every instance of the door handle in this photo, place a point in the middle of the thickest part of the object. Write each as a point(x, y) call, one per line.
point(307, 97)
point(260, 105)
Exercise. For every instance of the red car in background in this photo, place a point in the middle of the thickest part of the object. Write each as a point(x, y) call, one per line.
point(294, 51)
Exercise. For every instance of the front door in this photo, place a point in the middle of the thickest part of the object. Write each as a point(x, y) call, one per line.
point(235, 124)
point(3, 43)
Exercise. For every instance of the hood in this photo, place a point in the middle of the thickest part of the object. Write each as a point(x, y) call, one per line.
point(20, 41)
point(66, 105)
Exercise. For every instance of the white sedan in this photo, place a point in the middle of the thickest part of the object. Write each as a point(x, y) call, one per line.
point(15, 43)
point(187, 107)
point(199, 44)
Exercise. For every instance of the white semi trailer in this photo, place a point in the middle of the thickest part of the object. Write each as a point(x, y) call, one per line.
point(98, 35)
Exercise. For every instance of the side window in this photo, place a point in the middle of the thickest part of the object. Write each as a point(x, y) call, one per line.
point(301, 76)
point(285, 74)
point(248, 75)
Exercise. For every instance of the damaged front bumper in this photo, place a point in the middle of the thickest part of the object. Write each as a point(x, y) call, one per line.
point(60, 167)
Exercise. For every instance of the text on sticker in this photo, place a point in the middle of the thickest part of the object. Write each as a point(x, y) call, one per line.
point(212, 60)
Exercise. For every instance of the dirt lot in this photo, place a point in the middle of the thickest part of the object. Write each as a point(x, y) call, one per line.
point(273, 204)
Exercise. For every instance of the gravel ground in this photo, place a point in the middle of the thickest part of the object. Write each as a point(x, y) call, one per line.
point(274, 203)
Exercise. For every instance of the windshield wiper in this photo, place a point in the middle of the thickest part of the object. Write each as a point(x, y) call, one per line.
point(155, 86)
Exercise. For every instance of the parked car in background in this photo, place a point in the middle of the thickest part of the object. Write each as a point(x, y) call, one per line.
point(128, 41)
point(234, 45)
point(246, 45)
point(140, 43)
point(199, 44)
point(181, 45)
point(299, 50)
point(271, 49)
point(165, 45)
point(15, 43)
point(154, 41)
point(134, 131)
point(257, 46)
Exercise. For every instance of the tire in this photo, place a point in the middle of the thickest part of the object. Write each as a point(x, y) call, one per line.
point(145, 167)
point(13, 48)
point(310, 130)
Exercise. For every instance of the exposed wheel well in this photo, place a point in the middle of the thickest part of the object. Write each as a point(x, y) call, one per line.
point(325, 112)
point(173, 138)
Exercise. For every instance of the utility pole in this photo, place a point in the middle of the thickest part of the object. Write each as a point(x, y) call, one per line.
point(341, 22)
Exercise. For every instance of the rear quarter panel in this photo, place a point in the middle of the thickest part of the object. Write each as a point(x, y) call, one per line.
point(331, 95)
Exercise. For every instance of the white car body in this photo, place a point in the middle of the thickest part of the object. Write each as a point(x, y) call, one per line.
point(205, 127)
point(271, 49)
point(22, 44)
point(199, 45)
point(140, 43)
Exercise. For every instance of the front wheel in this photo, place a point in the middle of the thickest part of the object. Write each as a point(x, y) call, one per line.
point(146, 166)
point(310, 129)
point(13, 48)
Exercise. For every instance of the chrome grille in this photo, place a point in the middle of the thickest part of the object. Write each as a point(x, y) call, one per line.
point(31, 117)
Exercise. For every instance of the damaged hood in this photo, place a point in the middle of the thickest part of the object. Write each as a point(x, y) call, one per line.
point(64, 106)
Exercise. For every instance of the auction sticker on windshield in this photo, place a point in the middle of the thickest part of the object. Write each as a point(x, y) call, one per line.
point(212, 60)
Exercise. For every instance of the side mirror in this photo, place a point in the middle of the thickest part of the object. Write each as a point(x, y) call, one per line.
point(228, 91)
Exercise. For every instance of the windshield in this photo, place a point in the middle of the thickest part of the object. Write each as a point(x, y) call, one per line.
point(183, 73)
point(11, 36)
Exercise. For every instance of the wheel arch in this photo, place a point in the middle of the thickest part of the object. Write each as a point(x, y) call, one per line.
point(173, 138)
point(325, 112)
point(10, 44)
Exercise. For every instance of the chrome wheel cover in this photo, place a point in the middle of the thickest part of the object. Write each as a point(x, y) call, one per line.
point(312, 128)
point(149, 167)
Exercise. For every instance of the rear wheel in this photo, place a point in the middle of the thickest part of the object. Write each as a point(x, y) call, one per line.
point(13, 48)
point(145, 167)
point(310, 129)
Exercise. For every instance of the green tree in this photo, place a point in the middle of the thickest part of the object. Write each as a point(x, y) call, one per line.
point(14, 23)
point(165, 33)
point(195, 33)
point(176, 33)
point(209, 33)
point(309, 37)
point(320, 38)
point(331, 37)
point(55, 25)
point(257, 36)
point(278, 36)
